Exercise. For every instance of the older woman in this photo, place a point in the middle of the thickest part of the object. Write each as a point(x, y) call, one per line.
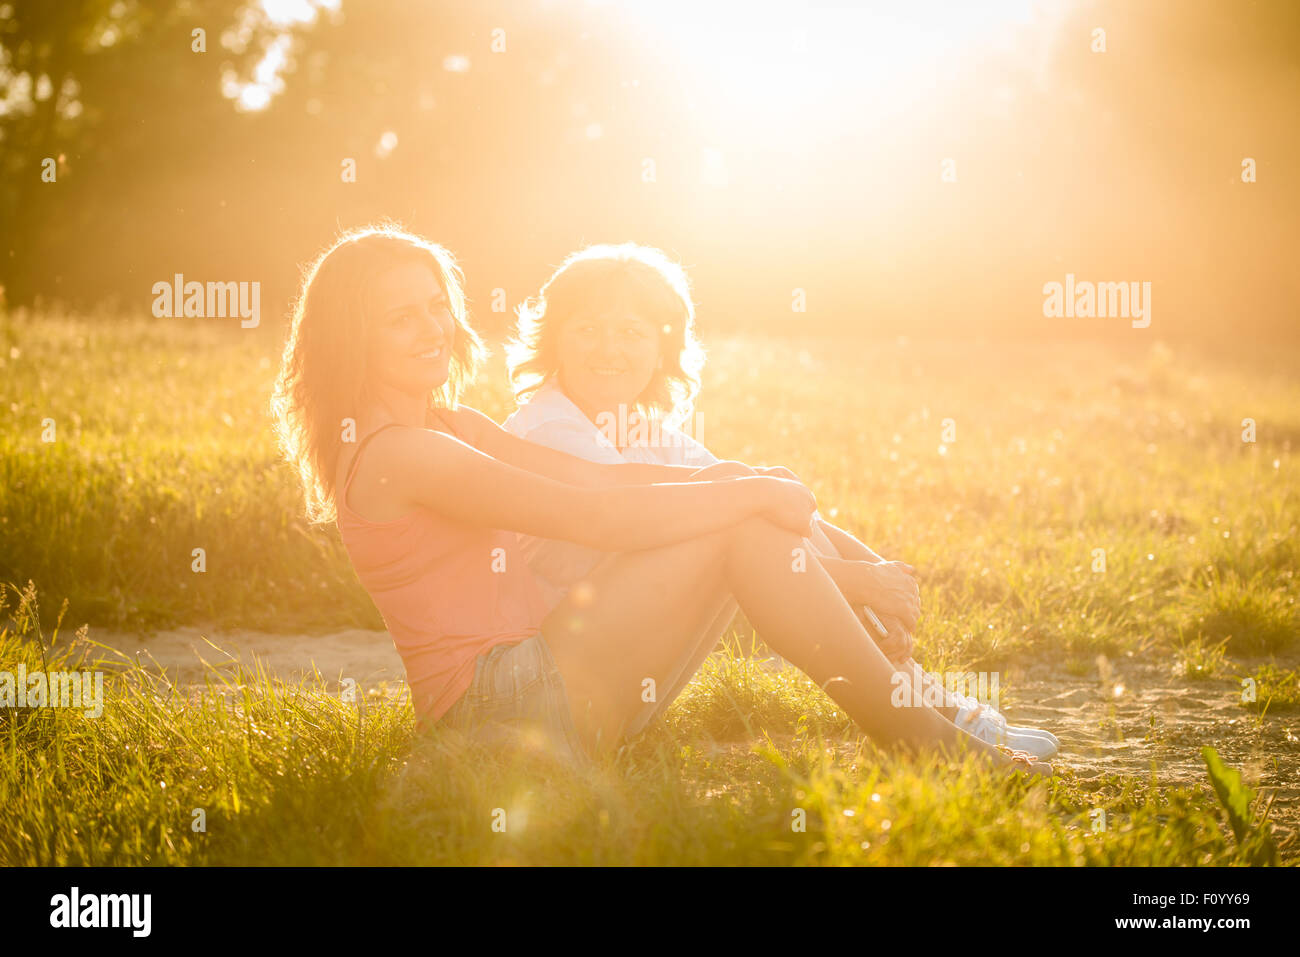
point(605, 365)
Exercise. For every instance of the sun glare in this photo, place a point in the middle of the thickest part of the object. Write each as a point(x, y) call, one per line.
point(812, 65)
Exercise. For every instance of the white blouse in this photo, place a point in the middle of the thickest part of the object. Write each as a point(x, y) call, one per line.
point(551, 418)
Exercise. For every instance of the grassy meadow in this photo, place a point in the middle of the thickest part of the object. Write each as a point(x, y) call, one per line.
point(1076, 512)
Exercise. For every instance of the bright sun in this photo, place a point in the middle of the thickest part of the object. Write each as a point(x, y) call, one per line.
point(805, 65)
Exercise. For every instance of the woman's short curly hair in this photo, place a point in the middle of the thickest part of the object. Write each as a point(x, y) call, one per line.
point(627, 276)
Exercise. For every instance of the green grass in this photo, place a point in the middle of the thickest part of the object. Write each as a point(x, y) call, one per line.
point(163, 445)
point(1276, 689)
point(292, 775)
point(1200, 660)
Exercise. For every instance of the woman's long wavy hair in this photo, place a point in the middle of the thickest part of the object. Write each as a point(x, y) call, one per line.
point(323, 376)
point(628, 276)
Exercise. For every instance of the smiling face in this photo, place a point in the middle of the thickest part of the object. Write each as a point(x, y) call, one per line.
point(410, 330)
point(606, 359)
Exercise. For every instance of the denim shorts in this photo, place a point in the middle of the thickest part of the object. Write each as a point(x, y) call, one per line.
point(517, 696)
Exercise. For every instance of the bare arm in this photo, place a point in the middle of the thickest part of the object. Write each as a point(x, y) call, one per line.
point(492, 439)
point(846, 544)
point(852, 577)
point(888, 587)
point(440, 472)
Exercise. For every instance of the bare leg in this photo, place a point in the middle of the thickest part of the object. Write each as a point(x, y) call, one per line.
point(822, 545)
point(803, 616)
point(687, 668)
point(638, 620)
point(646, 609)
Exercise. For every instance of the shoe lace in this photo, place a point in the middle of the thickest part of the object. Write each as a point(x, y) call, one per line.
point(1020, 757)
point(977, 713)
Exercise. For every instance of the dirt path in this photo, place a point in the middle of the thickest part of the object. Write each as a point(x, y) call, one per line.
point(188, 654)
point(1123, 719)
point(1158, 723)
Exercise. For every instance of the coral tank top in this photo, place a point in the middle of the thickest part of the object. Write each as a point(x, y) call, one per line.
point(447, 590)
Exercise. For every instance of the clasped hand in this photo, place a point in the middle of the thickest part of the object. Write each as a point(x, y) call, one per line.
point(897, 644)
point(890, 589)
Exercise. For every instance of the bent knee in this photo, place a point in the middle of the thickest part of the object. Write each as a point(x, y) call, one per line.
point(757, 529)
point(752, 532)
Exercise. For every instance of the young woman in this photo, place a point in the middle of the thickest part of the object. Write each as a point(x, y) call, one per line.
point(428, 496)
point(605, 361)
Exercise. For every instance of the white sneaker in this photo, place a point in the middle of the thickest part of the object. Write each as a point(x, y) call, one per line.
point(1041, 732)
point(990, 727)
point(972, 703)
